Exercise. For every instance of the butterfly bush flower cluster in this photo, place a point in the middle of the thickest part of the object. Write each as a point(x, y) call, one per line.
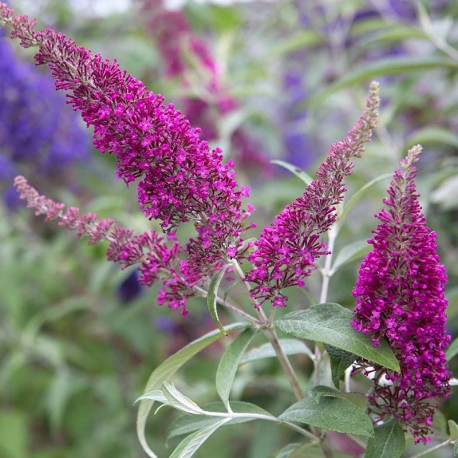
point(180, 178)
point(286, 251)
point(38, 132)
point(400, 297)
point(155, 259)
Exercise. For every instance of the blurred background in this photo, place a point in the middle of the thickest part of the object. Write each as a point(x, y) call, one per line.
point(264, 80)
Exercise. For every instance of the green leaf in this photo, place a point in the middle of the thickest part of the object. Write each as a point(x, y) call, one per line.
point(330, 323)
point(213, 294)
point(355, 197)
point(388, 441)
point(300, 40)
point(186, 424)
point(445, 194)
point(349, 253)
point(188, 446)
point(383, 67)
point(13, 434)
point(330, 413)
point(340, 360)
point(179, 401)
point(359, 399)
point(229, 362)
point(432, 136)
point(452, 350)
point(397, 32)
point(455, 449)
point(167, 369)
point(453, 428)
point(304, 176)
point(306, 449)
point(289, 347)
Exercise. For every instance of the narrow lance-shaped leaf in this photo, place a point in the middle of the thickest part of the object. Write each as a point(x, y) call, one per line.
point(452, 350)
point(186, 424)
point(266, 350)
point(166, 370)
point(358, 194)
point(388, 441)
point(304, 176)
point(213, 294)
point(229, 363)
point(382, 67)
point(188, 446)
point(179, 401)
point(330, 323)
point(349, 253)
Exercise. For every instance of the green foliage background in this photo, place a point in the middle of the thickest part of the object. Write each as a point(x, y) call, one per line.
point(74, 357)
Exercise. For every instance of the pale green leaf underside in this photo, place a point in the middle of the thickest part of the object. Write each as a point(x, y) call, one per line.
point(452, 350)
point(213, 294)
point(188, 446)
point(304, 176)
point(167, 369)
point(383, 67)
point(349, 253)
point(229, 362)
point(289, 347)
point(186, 424)
point(330, 323)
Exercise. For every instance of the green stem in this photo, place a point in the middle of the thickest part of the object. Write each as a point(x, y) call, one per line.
point(229, 306)
point(426, 452)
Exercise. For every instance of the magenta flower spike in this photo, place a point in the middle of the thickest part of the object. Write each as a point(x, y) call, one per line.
point(400, 297)
point(180, 178)
point(286, 251)
point(155, 258)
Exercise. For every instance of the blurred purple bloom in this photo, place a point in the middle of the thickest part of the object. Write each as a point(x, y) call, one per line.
point(130, 288)
point(39, 134)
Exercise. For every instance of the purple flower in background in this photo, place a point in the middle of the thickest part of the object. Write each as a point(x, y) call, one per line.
point(183, 54)
point(39, 134)
point(286, 251)
point(297, 145)
point(130, 288)
point(400, 297)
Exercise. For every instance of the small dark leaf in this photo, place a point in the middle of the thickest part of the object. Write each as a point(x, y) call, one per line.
point(340, 361)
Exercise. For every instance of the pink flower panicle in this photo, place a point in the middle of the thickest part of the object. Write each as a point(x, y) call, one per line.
point(157, 260)
point(400, 297)
point(181, 179)
point(286, 251)
point(181, 52)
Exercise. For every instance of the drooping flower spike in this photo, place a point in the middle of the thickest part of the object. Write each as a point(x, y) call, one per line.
point(400, 297)
point(180, 178)
point(156, 260)
point(286, 251)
